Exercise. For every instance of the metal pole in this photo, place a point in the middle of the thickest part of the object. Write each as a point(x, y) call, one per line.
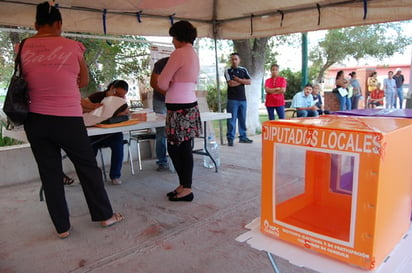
point(272, 261)
point(304, 59)
point(219, 94)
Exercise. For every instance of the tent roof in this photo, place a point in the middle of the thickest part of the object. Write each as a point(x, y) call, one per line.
point(223, 19)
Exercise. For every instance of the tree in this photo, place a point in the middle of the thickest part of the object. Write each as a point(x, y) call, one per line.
point(128, 59)
point(252, 53)
point(107, 61)
point(378, 40)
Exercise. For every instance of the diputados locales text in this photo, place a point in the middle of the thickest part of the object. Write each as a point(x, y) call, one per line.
point(326, 139)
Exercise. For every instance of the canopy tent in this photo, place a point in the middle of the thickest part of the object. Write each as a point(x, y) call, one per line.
point(221, 19)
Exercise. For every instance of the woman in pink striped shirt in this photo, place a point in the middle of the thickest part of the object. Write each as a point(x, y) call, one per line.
point(179, 78)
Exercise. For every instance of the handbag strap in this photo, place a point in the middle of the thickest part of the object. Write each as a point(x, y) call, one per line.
point(17, 62)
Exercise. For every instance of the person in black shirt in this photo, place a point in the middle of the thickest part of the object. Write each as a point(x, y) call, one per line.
point(237, 77)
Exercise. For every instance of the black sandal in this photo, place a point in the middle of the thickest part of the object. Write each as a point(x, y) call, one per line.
point(67, 180)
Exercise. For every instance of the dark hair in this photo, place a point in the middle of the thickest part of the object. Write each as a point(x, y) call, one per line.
point(340, 72)
point(235, 54)
point(118, 84)
point(353, 73)
point(183, 31)
point(373, 73)
point(274, 65)
point(308, 85)
point(47, 15)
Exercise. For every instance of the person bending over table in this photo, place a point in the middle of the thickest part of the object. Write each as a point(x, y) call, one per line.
point(179, 78)
point(115, 141)
point(304, 103)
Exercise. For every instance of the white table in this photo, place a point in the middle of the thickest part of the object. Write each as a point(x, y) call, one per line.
point(160, 122)
point(19, 134)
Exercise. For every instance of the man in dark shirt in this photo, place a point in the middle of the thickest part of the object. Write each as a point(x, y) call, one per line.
point(159, 107)
point(399, 79)
point(237, 77)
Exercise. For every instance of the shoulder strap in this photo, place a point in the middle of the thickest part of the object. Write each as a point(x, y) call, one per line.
point(17, 61)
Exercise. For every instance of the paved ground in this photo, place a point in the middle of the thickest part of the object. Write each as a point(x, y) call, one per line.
point(157, 236)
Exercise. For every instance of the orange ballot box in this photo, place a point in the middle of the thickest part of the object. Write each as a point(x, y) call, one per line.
point(338, 185)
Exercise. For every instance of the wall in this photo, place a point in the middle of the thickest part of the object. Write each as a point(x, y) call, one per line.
point(17, 164)
point(331, 101)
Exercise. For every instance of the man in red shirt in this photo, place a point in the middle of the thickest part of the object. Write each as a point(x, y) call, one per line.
point(275, 88)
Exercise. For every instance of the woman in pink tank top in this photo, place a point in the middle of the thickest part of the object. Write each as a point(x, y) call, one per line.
point(179, 78)
point(54, 69)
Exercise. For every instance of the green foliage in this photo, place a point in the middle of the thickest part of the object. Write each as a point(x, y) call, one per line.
point(128, 60)
point(293, 82)
point(112, 60)
point(6, 141)
point(212, 98)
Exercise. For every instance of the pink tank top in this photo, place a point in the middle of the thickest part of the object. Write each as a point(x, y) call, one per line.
point(51, 66)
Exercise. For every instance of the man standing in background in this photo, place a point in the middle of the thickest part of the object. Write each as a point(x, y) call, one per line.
point(159, 107)
point(389, 87)
point(399, 79)
point(237, 77)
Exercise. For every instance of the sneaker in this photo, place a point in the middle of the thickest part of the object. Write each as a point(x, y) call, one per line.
point(116, 181)
point(162, 168)
point(245, 140)
point(230, 143)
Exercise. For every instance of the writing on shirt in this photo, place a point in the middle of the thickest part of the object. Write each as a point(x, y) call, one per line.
point(56, 57)
point(325, 139)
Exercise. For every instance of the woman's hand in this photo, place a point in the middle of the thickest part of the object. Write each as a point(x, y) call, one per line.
point(88, 106)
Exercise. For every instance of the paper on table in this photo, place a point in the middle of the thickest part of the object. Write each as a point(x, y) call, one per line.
point(110, 105)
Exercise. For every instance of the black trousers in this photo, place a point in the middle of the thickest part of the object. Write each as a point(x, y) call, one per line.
point(48, 135)
point(182, 158)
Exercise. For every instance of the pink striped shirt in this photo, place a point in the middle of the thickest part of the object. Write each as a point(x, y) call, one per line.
point(51, 66)
point(179, 77)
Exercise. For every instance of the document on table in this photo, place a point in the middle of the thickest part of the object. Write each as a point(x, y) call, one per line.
point(110, 105)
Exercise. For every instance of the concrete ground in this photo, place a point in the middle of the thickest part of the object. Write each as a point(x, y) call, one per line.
point(157, 236)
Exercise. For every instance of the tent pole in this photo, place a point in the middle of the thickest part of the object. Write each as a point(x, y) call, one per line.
point(219, 93)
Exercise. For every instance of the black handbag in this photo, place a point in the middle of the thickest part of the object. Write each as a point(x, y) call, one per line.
point(16, 104)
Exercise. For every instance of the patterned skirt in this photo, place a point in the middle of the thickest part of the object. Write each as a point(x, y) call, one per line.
point(182, 125)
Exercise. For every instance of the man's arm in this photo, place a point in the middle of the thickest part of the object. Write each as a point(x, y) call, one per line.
point(154, 84)
point(242, 81)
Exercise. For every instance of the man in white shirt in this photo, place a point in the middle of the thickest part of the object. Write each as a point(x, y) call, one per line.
point(304, 103)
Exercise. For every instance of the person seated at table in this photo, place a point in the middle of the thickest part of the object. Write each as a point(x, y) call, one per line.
point(317, 98)
point(376, 96)
point(115, 141)
point(304, 103)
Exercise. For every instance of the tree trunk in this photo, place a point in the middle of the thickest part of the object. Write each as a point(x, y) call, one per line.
point(252, 54)
point(322, 71)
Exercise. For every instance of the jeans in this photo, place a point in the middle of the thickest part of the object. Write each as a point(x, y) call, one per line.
point(355, 101)
point(399, 92)
point(280, 110)
point(344, 102)
point(159, 107)
point(390, 99)
point(161, 147)
point(115, 142)
point(307, 113)
point(238, 110)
